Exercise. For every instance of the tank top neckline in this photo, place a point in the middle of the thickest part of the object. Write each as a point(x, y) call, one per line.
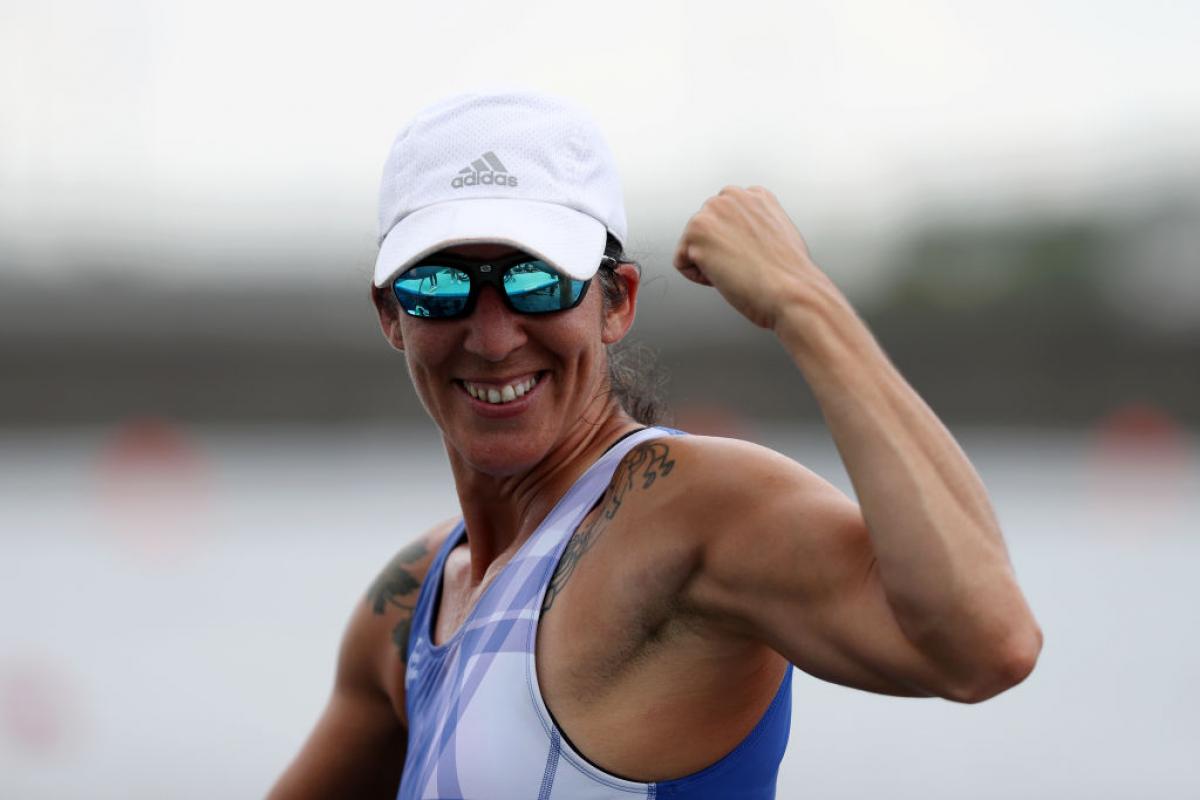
point(459, 534)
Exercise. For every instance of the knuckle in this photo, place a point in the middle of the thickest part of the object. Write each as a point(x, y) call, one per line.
point(714, 207)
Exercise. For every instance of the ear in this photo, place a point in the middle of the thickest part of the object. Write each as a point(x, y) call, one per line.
point(389, 316)
point(618, 319)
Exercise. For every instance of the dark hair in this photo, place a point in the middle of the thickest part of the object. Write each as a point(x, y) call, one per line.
point(634, 375)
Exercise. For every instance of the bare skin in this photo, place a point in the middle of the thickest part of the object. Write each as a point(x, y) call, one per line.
point(710, 564)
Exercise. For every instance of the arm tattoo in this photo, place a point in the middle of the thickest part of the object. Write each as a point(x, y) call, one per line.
point(393, 588)
point(645, 464)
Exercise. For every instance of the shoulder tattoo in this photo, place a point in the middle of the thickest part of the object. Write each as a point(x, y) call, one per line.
point(397, 587)
point(638, 471)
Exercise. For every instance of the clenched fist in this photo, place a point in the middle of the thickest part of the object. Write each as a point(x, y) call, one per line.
point(742, 243)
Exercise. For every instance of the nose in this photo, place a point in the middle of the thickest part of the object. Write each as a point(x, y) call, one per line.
point(493, 331)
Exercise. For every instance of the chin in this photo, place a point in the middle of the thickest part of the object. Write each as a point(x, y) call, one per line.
point(500, 453)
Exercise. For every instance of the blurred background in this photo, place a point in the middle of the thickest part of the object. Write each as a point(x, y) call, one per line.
point(207, 450)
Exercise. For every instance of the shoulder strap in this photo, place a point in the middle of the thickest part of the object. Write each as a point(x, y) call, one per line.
point(429, 588)
point(550, 537)
point(579, 499)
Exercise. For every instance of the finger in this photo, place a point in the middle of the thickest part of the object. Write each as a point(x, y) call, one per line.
point(696, 230)
point(685, 262)
point(693, 274)
point(686, 256)
point(681, 260)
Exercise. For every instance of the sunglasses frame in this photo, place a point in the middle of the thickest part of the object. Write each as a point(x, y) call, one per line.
point(489, 271)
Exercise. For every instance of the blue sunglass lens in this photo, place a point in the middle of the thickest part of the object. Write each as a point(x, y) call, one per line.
point(433, 291)
point(533, 287)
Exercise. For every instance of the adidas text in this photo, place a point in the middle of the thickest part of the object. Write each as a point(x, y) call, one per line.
point(483, 179)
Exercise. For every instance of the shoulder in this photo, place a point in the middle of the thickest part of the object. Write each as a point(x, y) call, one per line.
point(709, 477)
point(374, 649)
point(398, 583)
point(713, 502)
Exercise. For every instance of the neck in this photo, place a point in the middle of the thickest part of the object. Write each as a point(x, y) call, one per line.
point(502, 512)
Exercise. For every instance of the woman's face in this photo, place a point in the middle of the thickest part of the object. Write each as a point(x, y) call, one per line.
point(549, 371)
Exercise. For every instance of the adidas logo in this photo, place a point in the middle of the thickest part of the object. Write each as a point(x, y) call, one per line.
point(487, 170)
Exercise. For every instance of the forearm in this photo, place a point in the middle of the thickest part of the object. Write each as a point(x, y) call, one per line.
point(939, 550)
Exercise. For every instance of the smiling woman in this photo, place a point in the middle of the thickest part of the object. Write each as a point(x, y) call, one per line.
point(616, 609)
point(468, 352)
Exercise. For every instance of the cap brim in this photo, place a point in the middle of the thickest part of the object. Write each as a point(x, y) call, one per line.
point(569, 240)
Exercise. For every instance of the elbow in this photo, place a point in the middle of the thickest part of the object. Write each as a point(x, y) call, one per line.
point(1005, 669)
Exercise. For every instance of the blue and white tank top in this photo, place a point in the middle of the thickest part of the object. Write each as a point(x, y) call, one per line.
point(478, 728)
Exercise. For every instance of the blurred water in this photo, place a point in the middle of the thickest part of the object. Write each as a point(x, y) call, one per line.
point(173, 601)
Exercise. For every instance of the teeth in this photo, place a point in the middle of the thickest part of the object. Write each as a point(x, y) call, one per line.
point(504, 395)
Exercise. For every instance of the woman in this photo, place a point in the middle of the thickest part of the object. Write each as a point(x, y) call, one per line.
point(616, 610)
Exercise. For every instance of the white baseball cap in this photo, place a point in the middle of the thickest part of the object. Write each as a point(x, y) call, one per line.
point(517, 167)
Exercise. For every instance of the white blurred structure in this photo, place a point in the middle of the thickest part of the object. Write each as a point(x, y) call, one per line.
point(187, 139)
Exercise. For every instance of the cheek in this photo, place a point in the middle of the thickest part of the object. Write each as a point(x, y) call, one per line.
point(579, 336)
point(587, 364)
point(424, 341)
point(424, 350)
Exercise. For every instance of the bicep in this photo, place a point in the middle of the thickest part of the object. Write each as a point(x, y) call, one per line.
point(791, 564)
point(848, 634)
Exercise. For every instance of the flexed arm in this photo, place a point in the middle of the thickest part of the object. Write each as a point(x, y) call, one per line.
point(930, 547)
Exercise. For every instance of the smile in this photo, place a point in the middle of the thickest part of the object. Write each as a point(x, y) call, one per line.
point(501, 393)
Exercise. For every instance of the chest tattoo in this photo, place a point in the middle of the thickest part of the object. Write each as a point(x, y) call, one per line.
point(638, 471)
